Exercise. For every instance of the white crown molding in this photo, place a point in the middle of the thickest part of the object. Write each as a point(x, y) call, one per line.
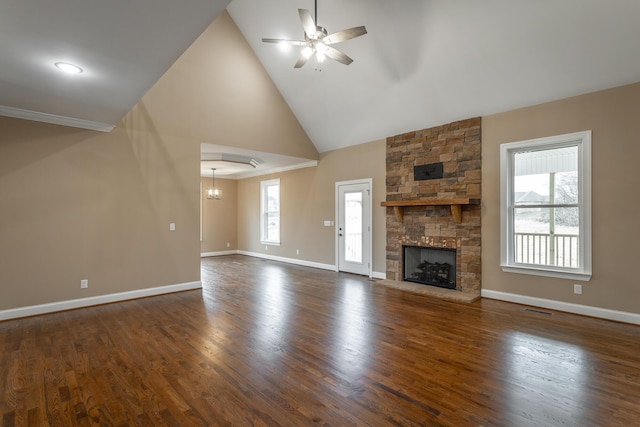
point(34, 310)
point(586, 310)
point(54, 119)
point(303, 165)
point(231, 158)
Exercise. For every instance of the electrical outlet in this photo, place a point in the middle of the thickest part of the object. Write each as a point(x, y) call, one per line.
point(172, 226)
point(297, 251)
point(577, 289)
point(84, 284)
point(228, 244)
point(266, 248)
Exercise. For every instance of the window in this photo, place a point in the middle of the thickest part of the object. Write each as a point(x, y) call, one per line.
point(270, 212)
point(546, 206)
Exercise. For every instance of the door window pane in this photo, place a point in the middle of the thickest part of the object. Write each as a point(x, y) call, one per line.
point(353, 227)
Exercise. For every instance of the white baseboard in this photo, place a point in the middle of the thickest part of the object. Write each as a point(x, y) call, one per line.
point(290, 260)
point(586, 310)
point(33, 310)
point(208, 254)
point(331, 267)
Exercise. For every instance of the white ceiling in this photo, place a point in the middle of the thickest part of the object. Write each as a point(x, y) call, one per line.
point(123, 46)
point(235, 168)
point(430, 62)
point(422, 63)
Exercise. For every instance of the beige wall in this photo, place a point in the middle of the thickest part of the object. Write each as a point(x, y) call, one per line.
point(308, 198)
point(78, 204)
point(218, 92)
point(219, 217)
point(87, 205)
point(613, 116)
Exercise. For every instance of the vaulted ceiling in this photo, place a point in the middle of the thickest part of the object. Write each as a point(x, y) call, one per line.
point(422, 63)
point(429, 62)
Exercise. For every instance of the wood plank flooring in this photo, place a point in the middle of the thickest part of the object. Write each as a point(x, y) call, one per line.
point(270, 344)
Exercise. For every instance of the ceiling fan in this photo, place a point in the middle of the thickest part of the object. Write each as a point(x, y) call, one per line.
point(317, 42)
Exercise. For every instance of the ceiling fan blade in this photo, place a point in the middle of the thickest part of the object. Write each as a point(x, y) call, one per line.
point(344, 35)
point(302, 60)
point(334, 53)
point(307, 22)
point(289, 42)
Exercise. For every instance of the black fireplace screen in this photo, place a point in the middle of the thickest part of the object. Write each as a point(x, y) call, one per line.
point(430, 266)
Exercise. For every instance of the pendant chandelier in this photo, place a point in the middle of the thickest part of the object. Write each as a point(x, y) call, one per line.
point(213, 192)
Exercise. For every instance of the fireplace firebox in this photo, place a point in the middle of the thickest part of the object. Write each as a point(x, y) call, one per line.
point(430, 266)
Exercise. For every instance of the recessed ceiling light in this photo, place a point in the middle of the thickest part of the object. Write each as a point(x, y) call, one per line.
point(68, 68)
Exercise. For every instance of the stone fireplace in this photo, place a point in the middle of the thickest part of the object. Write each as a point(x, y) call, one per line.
point(433, 202)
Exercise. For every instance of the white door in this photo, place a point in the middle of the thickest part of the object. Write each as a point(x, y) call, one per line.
point(354, 226)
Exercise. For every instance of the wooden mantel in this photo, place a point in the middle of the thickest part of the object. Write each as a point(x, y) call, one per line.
point(455, 204)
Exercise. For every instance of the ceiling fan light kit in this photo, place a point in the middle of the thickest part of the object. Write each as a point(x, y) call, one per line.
point(317, 41)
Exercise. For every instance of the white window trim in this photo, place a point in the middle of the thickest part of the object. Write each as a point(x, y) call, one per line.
point(263, 189)
point(583, 141)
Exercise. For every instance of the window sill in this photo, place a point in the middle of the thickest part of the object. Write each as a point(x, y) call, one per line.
point(560, 274)
point(263, 242)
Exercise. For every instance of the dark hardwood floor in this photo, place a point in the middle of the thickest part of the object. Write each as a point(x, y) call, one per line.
point(266, 343)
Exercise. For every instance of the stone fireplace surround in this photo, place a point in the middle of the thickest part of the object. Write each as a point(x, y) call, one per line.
point(434, 224)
